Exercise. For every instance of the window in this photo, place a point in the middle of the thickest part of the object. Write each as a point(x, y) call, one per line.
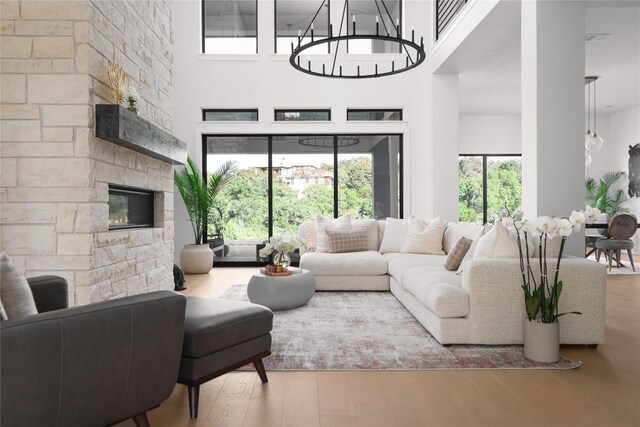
point(230, 115)
point(366, 13)
point(374, 115)
point(230, 27)
point(302, 115)
point(487, 184)
point(284, 180)
point(293, 18)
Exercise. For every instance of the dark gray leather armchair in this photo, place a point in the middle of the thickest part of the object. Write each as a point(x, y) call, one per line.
point(92, 365)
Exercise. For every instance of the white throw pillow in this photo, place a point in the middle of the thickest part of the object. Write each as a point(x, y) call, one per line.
point(423, 238)
point(395, 235)
point(15, 292)
point(324, 224)
point(469, 255)
point(499, 243)
point(456, 230)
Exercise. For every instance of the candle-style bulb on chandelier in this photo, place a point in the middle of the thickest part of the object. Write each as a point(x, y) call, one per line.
point(386, 30)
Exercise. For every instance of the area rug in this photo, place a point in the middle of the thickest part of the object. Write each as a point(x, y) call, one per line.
point(373, 330)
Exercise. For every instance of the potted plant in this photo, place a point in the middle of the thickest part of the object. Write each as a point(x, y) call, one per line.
point(199, 198)
point(542, 295)
point(598, 194)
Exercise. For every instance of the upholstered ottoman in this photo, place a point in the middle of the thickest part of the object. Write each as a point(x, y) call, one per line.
point(221, 336)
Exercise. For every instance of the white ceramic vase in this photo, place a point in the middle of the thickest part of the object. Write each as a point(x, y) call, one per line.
point(196, 259)
point(541, 341)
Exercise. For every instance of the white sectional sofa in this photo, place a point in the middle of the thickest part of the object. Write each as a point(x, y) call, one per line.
point(484, 304)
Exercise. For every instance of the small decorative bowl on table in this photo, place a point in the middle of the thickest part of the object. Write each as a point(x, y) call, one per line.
point(276, 270)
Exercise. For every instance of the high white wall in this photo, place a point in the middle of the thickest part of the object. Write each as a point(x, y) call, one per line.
point(267, 81)
point(490, 134)
point(619, 130)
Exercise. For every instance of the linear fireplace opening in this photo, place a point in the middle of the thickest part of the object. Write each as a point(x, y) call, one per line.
point(130, 208)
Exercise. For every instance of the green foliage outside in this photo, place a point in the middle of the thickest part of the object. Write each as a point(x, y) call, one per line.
point(504, 186)
point(470, 184)
point(244, 211)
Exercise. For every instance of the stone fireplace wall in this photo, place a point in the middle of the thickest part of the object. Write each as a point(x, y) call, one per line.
point(54, 171)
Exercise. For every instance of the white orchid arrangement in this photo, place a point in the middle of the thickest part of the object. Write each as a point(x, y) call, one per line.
point(542, 297)
point(282, 244)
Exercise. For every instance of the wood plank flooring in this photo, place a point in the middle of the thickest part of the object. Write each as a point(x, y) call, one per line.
point(604, 391)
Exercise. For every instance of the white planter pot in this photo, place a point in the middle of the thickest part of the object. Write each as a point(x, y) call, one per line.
point(541, 341)
point(196, 259)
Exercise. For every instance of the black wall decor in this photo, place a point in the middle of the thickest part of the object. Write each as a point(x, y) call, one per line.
point(634, 170)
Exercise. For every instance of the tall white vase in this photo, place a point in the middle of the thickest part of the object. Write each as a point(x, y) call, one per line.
point(196, 259)
point(541, 341)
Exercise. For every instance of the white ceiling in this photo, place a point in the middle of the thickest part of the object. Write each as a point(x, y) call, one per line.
point(488, 62)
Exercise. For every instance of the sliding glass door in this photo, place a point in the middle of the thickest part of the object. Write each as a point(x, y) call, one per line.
point(285, 180)
point(241, 218)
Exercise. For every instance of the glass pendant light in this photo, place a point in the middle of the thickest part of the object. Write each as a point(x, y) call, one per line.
point(587, 159)
point(588, 139)
point(597, 141)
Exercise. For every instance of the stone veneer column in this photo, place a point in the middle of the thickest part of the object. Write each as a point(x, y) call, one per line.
point(54, 172)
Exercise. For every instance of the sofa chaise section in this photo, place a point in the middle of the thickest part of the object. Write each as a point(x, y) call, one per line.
point(496, 302)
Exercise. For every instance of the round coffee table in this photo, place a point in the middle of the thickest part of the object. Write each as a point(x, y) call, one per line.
point(282, 292)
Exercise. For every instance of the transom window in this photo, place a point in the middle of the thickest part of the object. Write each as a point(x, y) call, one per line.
point(302, 115)
point(374, 115)
point(248, 115)
point(230, 26)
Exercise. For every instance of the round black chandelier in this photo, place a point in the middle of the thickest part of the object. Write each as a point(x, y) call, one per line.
point(389, 32)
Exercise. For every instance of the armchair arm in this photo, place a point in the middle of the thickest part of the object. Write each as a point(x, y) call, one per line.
point(49, 292)
point(91, 365)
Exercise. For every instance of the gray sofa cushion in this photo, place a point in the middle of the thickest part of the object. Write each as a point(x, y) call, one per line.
point(212, 324)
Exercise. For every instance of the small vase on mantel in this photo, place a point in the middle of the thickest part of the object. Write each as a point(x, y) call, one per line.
point(282, 259)
point(541, 341)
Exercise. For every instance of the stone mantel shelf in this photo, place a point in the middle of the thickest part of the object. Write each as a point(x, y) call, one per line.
point(117, 124)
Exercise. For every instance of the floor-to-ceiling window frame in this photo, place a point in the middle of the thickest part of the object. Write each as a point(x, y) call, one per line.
point(476, 169)
point(273, 155)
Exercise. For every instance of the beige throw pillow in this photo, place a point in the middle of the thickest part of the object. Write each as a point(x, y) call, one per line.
point(456, 255)
point(329, 224)
point(353, 240)
point(15, 292)
point(308, 232)
point(423, 238)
